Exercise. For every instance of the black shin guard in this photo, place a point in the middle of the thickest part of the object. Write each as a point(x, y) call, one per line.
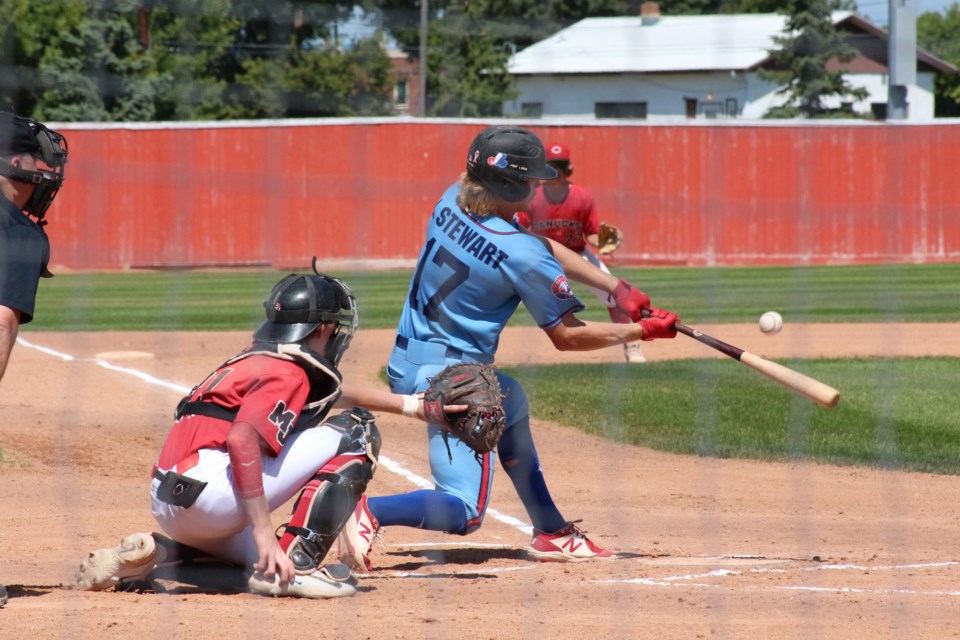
point(331, 498)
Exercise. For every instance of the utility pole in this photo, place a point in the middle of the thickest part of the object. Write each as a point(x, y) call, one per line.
point(901, 58)
point(424, 8)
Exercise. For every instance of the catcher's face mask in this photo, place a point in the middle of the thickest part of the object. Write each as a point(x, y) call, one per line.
point(347, 320)
point(49, 149)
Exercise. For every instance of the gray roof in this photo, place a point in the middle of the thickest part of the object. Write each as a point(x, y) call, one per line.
point(672, 43)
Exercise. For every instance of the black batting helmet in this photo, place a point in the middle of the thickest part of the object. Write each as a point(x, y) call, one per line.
point(505, 158)
point(298, 304)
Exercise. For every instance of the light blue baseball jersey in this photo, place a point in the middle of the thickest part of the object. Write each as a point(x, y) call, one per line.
point(471, 276)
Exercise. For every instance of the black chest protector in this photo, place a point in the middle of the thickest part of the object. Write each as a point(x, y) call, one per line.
point(324, 379)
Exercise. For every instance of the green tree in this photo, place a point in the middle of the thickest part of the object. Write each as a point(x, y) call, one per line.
point(939, 34)
point(73, 60)
point(198, 59)
point(250, 60)
point(801, 63)
point(97, 70)
point(193, 45)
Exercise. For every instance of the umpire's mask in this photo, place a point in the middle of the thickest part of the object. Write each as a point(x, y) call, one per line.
point(19, 135)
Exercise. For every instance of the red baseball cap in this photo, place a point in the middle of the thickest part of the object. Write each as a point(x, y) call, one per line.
point(558, 151)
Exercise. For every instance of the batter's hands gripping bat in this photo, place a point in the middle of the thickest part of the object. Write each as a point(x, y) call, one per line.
point(814, 390)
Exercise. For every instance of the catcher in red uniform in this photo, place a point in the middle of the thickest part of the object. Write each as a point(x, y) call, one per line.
point(565, 212)
point(255, 433)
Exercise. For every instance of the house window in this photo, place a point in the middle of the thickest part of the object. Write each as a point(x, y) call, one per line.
point(400, 93)
point(878, 110)
point(620, 110)
point(732, 108)
point(711, 110)
point(691, 105)
point(531, 109)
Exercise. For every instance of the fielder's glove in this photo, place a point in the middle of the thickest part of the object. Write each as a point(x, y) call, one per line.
point(475, 385)
point(609, 238)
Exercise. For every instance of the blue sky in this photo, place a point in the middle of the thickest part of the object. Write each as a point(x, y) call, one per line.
point(878, 11)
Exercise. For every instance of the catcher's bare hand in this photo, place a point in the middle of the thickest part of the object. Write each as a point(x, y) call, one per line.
point(271, 559)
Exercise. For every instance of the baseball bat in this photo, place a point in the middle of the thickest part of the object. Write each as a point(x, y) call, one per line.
point(824, 395)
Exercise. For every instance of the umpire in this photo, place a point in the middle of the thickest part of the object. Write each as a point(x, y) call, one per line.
point(32, 158)
point(31, 172)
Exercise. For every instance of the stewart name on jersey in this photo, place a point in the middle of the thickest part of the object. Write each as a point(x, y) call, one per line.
point(472, 274)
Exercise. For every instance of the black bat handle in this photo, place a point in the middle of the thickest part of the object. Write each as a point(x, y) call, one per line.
point(710, 341)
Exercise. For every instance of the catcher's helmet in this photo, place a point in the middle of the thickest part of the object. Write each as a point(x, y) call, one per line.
point(505, 158)
point(19, 134)
point(298, 304)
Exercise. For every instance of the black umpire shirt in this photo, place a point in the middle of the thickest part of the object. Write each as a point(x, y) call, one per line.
point(24, 254)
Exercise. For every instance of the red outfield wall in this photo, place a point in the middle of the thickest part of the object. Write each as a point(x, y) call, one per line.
point(275, 194)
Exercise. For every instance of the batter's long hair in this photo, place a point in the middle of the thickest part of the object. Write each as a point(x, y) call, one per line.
point(476, 198)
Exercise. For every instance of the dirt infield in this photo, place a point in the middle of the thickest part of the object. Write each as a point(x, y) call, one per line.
point(707, 548)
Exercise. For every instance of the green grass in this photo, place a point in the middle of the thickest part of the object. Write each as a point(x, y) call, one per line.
point(223, 301)
point(893, 413)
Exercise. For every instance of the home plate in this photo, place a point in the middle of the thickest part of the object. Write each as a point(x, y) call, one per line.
point(124, 355)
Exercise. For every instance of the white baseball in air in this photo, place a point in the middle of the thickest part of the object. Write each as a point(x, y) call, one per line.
point(771, 323)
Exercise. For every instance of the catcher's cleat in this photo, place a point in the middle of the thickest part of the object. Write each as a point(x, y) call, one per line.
point(356, 538)
point(633, 352)
point(567, 545)
point(132, 561)
point(340, 573)
point(319, 584)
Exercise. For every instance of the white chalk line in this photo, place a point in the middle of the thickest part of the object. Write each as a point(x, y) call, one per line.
point(686, 580)
point(41, 349)
point(670, 581)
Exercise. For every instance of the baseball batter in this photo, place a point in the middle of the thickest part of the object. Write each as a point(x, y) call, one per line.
point(251, 436)
point(475, 268)
point(565, 212)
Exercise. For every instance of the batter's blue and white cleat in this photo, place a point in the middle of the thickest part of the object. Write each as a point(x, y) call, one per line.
point(356, 538)
point(567, 545)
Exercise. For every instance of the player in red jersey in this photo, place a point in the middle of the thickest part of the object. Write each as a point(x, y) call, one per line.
point(565, 212)
point(250, 437)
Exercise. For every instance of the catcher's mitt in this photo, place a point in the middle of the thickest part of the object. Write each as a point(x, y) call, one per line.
point(473, 384)
point(609, 238)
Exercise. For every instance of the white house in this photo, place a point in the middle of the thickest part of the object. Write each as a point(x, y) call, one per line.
point(673, 67)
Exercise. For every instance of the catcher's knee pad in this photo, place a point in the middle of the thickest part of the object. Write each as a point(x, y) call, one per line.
point(322, 509)
point(359, 434)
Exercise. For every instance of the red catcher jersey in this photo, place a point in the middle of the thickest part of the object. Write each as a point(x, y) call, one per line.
point(567, 222)
point(268, 393)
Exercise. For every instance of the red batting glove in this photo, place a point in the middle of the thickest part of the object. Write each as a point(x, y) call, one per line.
point(659, 324)
point(630, 300)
